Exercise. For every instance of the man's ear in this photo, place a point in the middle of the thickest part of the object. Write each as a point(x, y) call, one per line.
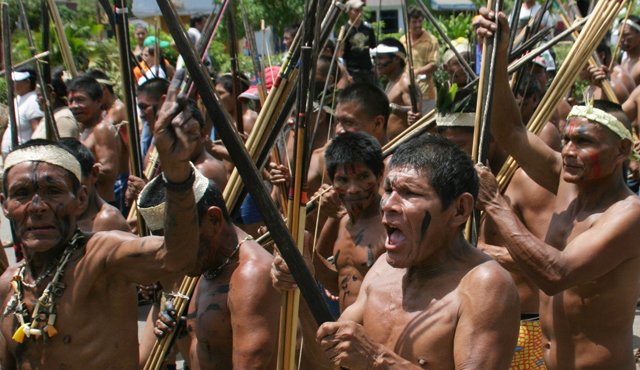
point(624, 150)
point(379, 122)
point(462, 207)
point(215, 217)
point(82, 196)
point(95, 171)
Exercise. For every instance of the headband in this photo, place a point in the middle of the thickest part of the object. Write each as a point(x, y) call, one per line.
point(44, 153)
point(632, 24)
point(154, 214)
point(386, 49)
point(104, 82)
point(605, 119)
point(456, 120)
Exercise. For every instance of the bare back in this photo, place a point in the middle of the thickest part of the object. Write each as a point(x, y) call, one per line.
point(398, 93)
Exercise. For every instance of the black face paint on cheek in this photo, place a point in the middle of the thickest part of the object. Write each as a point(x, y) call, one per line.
point(426, 221)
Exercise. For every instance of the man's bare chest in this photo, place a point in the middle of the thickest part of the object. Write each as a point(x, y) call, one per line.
point(213, 316)
point(359, 246)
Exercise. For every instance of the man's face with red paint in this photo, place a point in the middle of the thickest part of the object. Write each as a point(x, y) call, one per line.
point(589, 151)
point(357, 186)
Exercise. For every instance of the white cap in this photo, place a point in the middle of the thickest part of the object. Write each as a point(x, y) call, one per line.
point(354, 4)
point(20, 76)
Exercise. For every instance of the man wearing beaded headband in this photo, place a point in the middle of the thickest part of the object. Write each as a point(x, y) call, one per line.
point(588, 266)
point(234, 289)
point(71, 304)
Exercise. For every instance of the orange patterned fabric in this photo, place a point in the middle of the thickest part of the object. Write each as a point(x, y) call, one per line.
point(528, 353)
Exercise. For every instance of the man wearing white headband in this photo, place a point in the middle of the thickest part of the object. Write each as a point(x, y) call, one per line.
point(630, 44)
point(72, 303)
point(389, 57)
point(588, 265)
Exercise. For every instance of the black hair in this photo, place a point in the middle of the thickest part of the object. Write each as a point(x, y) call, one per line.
point(195, 19)
point(81, 152)
point(100, 75)
point(154, 87)
point(615, 110)
point(195, 112)
point(636, 20)
point(352, 147)
point(87, 84)
point(390, 41)
point(448, 169)
point(414, 12)
point(212, 197)
point(369, 97)
point(60, 89)
point(226, 80)
point(529, 87)
point(331, 45)
point(291, 30)
point(75, 182)
point(604, 48)
point(32, 75)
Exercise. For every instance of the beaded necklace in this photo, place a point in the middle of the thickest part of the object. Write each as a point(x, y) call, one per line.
point(211, 274)
point(43, 318)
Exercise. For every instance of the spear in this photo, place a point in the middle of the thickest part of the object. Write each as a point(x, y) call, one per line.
point(446, 39)
point(614, 55)
point(255, 57)
point(515, 16)
point(38, 57)
point(46, 40)
point(122, 33)
point(62, 39)
point(6, 56)
point(413, 93)
point(247, 168)
point(51, 129)
point(233, 53)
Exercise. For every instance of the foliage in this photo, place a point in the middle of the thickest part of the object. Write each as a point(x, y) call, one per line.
point(454, 25)
point(3, 91)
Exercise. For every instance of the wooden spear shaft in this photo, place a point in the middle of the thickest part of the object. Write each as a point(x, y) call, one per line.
point(6, 56)
point(65, 50)
point(51, 129)
point(413, 93)
point(247, 168)
point(233, 53)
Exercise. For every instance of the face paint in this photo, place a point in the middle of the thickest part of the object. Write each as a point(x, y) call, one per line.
point(424, 227)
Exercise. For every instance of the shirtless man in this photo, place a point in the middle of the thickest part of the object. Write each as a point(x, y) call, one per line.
point(91, 320)
point(99, 215)
point(115, 112)
point(630, 43)
point(99, 136)
point(586, 312)
point(389, 58)
point(355, 168)
point(432, 301)
point(620, 80)
point(233, 316)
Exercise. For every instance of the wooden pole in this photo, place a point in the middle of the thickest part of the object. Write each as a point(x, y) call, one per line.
point(65, 50)
point(413, 92)
point(233, 53)
point(6, 55)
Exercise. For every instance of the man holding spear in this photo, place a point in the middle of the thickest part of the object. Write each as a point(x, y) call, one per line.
point(588, 265)
point(71, 304)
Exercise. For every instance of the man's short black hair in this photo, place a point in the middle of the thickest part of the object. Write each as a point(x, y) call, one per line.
point(226, 80)
point(448, 169)
point(154, 87)
point(603, 47)
point(354, 147)
point(196, 19)
point(529, 87)
point(81, 152)
point(369, 97)
point(414, 11)
point(75, 182)
point(86, 84)
point(212, 197)
point(60, 89)
point(100, 75)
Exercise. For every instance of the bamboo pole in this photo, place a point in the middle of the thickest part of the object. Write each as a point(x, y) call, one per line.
point(38, 57)
point(413, 94)
point(65, 50)
point(6, 56)
point(51, 129)
point(614, 55)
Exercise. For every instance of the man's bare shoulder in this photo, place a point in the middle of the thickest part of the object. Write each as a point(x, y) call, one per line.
point(625, 211)
point(6, 277)
point(105, 242)
point(255, 262)
point(488, 278)
point(109, 218)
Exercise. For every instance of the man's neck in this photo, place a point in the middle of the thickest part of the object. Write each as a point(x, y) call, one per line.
point(416, 35)
point(226, 246)
point(373, 210)
point(593, 195)
point(395, 75)
point(448, 257)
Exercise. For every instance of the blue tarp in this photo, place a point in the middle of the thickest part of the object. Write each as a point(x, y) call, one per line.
point(443, 5)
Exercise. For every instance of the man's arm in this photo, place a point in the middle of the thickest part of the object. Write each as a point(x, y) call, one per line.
point(254, 306)
point(539, 161)
point(107, 151)
point(487, 329)
point(595, 252)
point(142, 259)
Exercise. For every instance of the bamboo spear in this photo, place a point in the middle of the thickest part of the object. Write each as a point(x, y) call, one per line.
point(413, 93)
point(614, 55)
point(248, 170)
point(6, 55)
point(51, 129)
point(46, 40)
point(233, 53)
point(38, 57)
point(122, 32)
point(515, 17)
point(62, 38)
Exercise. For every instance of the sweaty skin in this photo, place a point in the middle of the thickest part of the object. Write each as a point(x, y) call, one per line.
point(397, 91)
point(589, 249)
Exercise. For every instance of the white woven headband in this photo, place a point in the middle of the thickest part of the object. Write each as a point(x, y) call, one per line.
point(44, 153)
point(632, 24)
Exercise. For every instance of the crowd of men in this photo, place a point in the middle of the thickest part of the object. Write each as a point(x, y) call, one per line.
point(551, 280)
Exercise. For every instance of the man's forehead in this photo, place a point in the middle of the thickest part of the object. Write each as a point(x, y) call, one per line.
point(31, 168)
point(352, 168)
